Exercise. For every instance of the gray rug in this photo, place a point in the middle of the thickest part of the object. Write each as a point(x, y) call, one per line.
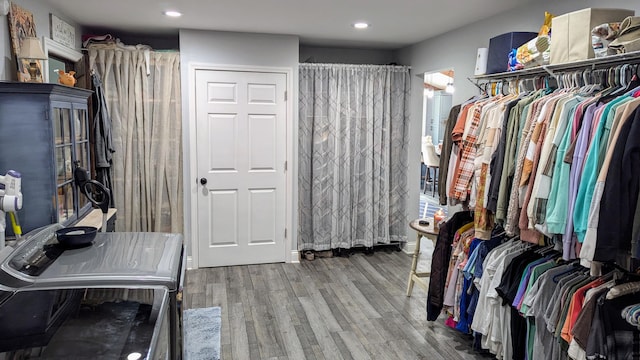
point(202, 333)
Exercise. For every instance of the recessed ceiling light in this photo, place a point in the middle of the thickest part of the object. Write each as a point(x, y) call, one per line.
point(172, 13)
point(361, 25)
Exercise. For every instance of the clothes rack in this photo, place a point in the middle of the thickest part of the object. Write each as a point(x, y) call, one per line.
point(558, 70)
point(546, 160)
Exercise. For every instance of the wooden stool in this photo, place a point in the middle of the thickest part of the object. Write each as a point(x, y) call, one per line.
point(414, 276)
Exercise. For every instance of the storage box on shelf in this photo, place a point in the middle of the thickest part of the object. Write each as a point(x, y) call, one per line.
point(571, 32)
point(501, 45)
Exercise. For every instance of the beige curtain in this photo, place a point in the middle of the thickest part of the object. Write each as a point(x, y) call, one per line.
point(142, 90)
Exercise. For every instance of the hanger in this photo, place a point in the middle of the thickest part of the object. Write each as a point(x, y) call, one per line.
point(575, 268)
point(622, 86)
point(610, 90)
point(602, 78)
point(514, 86)
point(623, 289)
point(588, 86)
point(503, 87)
point(529, 80)
point(586, 76)
point(611, 266)
point(545, 249)
point(634, 80)
point(559, 81)
point(580, 78)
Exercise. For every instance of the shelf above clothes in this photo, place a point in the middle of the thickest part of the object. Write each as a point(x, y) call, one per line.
point(556, 70)
point(595, 63)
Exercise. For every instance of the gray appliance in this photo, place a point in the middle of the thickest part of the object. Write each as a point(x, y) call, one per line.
point(83, 323)
point(119, 261)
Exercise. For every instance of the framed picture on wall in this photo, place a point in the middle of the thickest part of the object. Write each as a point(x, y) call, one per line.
point(22, 25)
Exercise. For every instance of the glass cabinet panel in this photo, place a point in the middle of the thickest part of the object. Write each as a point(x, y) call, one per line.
point(71, 147)
point(62, 125)
point(57, 126)
point(65, 202)
point(81, 126)
point(64, 161)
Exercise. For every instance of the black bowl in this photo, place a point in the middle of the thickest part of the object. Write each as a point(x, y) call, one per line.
point(76, 236)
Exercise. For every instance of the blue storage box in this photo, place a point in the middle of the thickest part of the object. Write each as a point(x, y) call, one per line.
point(501, 45)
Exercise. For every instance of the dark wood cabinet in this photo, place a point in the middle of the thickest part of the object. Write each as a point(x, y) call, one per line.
point(44, 130)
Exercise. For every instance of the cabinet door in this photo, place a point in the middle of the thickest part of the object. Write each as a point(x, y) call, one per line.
point(63, 135)
point(81, 149)
point(71, 134)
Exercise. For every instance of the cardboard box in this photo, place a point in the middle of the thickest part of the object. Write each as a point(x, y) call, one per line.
point(571, 33)
point(501, 45)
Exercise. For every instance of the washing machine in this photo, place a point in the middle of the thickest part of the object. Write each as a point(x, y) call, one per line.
point(118, 266)
point(83, 323)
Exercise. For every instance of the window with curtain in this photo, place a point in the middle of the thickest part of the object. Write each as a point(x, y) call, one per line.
point(353, 147)
point(142, 92)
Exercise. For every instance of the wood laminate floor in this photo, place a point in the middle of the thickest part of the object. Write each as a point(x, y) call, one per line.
point(328, 308)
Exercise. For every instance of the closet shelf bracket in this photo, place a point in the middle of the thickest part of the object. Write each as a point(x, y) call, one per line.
point(475, 83)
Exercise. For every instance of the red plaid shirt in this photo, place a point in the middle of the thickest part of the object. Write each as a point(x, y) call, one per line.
point(464, 171)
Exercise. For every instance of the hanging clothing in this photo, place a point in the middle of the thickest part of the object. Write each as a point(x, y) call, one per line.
point(440, 262)
point(445, 154)
point(555, 167)
point(618, 204)
point(588, 248)
point(103, 147)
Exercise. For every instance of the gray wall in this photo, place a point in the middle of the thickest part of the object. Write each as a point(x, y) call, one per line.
point(40, 11)
point(334, 55)
point(158, 41)
point(457, 49)
point(230, 48)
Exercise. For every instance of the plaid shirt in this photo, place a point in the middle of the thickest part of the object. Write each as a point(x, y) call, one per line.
point(464, 171)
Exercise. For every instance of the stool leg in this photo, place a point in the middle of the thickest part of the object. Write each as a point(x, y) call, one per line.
point(435, 176)
point(426, 180)
point(433, 188)
point(414, 264)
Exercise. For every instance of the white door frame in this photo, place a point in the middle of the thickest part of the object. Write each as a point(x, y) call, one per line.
point(191, 185)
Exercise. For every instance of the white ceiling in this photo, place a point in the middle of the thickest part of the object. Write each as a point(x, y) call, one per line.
point(394, 23)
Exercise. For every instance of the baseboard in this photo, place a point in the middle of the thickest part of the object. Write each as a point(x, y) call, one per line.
point(295, 256)
point(409, 247)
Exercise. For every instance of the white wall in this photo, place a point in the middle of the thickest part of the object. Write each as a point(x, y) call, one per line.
point(237, 49)
point(40, 11)
point(457, 49)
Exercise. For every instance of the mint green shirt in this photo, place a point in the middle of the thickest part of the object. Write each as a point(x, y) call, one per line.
point(559, 194)
point(593, 163)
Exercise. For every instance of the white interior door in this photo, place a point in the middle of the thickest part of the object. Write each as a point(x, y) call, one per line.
point(241, 154)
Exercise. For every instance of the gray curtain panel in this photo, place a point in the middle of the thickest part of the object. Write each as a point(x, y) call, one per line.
point(353, 137)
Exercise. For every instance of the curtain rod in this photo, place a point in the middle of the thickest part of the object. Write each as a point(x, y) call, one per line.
point(330, 65)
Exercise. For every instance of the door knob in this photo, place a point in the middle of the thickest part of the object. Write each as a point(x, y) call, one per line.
point(203, 181)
